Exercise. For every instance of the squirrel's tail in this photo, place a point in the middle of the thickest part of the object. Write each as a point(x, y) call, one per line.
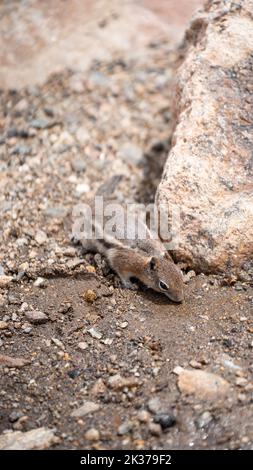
point(109, 186)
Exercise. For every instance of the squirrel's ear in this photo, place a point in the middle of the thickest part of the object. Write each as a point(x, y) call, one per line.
point(153, 263)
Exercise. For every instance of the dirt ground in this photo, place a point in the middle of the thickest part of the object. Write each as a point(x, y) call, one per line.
point(148, 338)
point(99, 363)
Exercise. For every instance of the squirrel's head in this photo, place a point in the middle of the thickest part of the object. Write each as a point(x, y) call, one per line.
point(164, 276)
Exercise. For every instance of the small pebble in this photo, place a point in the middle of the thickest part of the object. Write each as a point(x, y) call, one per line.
point(92, 435)
point(78, 165)
point(14, 416)
point(155, 429)
point(74, 373)
point(241, 381)
point(5, 281)
point(143, 416)
point(41, 237)
point(82, 345)
point(90, 296)
point(87, 408)
point(82, 189)
point(58, 343)
point(165, 420)
point(131, 153)
point(204, 419)
point(195, 364)
point(36, 317)
point(154, 405)
point(40, 282)
point(90, 269)
point(125, 428)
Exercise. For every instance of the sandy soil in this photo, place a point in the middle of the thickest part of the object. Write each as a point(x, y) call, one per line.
point(39, 38)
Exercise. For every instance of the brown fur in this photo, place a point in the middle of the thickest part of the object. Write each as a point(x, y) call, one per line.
point(150, 270)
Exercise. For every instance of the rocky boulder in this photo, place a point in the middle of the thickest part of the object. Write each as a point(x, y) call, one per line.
point(209, 172)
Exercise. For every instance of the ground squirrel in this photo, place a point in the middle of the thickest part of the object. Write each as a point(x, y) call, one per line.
point(144, 260)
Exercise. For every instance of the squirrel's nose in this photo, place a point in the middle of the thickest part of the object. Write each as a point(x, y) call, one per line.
point(179, 298)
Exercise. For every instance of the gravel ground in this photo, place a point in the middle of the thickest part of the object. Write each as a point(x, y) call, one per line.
point(96, 363)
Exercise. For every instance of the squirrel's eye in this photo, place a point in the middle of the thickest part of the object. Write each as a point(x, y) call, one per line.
point(163, 286)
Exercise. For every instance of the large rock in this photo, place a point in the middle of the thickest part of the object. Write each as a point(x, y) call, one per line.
point(209, 171)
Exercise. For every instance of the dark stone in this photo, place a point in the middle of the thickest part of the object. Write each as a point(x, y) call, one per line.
point(21, 150)
point(165, 420)
point(74, 373)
